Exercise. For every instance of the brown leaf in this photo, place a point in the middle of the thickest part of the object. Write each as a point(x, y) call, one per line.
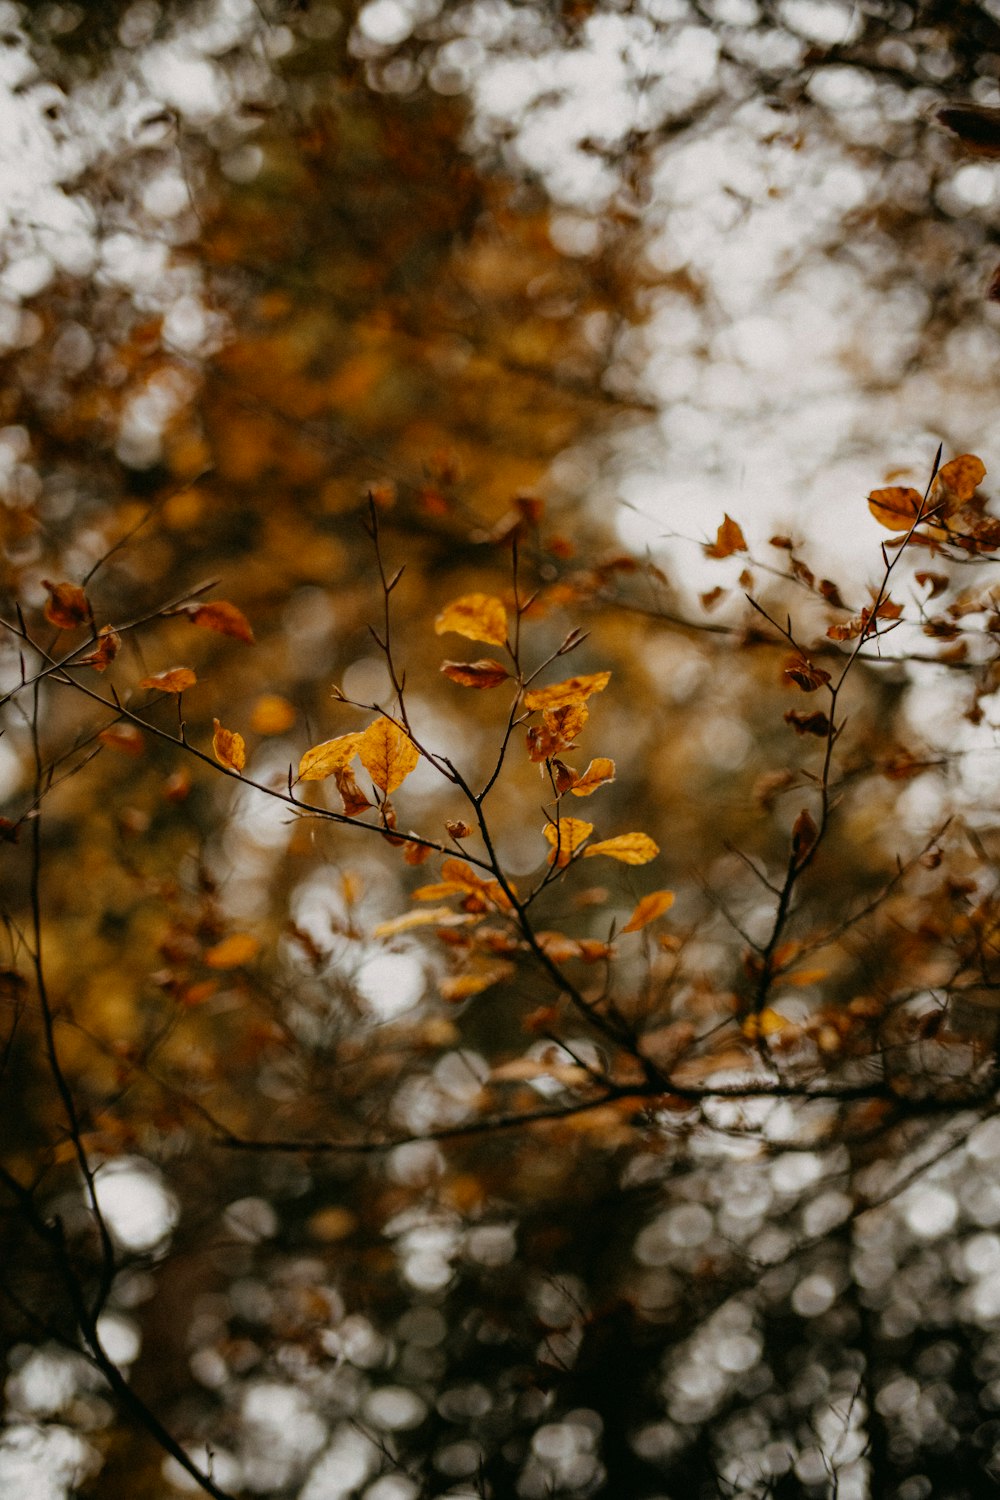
point(629, 848)
point(331, 756)
point(977, 127)
point(479, 617)
point(574, 690)
point(710, 600)
point(816, 723)
point(564, 776)
point(176, 680)
point(353, 798)
point(804, 833)
point(67, 606)
point(387, 754)
point(457, 828)
point(485, 673)
point(937, 582)
point(221, 616)
point(648, 909)
point(109, 643)
point(800, 670)
point(897, 507)
point(228, 748)
point(729, 539)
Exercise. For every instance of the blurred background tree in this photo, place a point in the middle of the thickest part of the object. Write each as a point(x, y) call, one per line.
point(647, 264)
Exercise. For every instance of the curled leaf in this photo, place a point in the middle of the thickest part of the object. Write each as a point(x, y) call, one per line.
point(600, 771)
point(648, 909)
point(574, 690)
point(331, 756)
point(109, 643)
point(176, 680)
point(800, 670)
point(629, 848)
point(387, 754)
point(351, 795)
point(228, 748)
point(804, 834)
point(221, 616)
point(67, 606)
point(479, 617)
point(557, 731)
point(486, 673)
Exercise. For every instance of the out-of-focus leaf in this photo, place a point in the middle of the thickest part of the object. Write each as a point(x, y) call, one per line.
point(127, 738)
point(648, 909)
point(272, 714)
point(233, 952)
point(728, 539)
point(221, 616)
point(174, 680)
point(67, 606)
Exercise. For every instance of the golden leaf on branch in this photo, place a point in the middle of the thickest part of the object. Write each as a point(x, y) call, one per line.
point(566, 837)
point(479, 617)
point(485, 673)
point(648, 909)
point(600, 771)
point(897, 507)
point(228, 748)
point(557, 731)
point(175, 680)
point(629, 848)
point(387, 754)
point(329, 757)
point(67, 605)
point(233, 951)
point(573, 691)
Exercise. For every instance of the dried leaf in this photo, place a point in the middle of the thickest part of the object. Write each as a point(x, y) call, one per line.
point(67, 605)
point(228, 748)
point(124, 737)
point(897, 507)
point(109, 643)
point(387, 754)
point(937, 582)
point(598, 773)
point(557, 731)
point(479, 617)
point(573, 691)
point(221, 616)
point(816, 723)
point(563, 776)
point(566, 836)
point(272, 714)
point(977, 127)
point(331, 756)
point(729, 539)
point(233, 952)
point(648, 909)
point(176, 680)
point(351, 795)
point(800, 670)
point(804, 834)
point(956, 482)
point(629, 848)
point(485, 673)
point(457, 828)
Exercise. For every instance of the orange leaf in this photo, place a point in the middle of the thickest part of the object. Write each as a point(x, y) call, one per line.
point(485, 673)
point(557, 731)
point(561, 694)
point(332, 755)
point(598, 773)
point(234, 951)
point(956, 482)
point(417, 854)
point(729, 539)
point(228, 748)
point(109, 643)
point(479, 617)
point(272, 714)
point(629, 848)
point(473, 983)
point(124, 737)
point(387, 754)
point(176, 680)
point(648, 909)
point(896, 507)
point(221, 616)
point(440, 916)
point(566, 836)
point(67, 606)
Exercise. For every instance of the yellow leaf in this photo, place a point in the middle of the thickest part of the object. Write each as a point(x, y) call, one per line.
point(598, 773)
point(234, 951)
point(479, 617)
point(573, 690)
point(896, 507)
point(332, 755)
point(629, 848)
point(176, 680)
point(566, 836)
point(435, 916)
point(228, 748)
point(473, 983)
point(272, 714)
point(387, 754)
point(648, 909)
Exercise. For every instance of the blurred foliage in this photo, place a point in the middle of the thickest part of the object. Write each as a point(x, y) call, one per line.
point(298, 318)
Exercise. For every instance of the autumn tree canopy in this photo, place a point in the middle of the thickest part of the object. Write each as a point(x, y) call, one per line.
point(499, 758)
